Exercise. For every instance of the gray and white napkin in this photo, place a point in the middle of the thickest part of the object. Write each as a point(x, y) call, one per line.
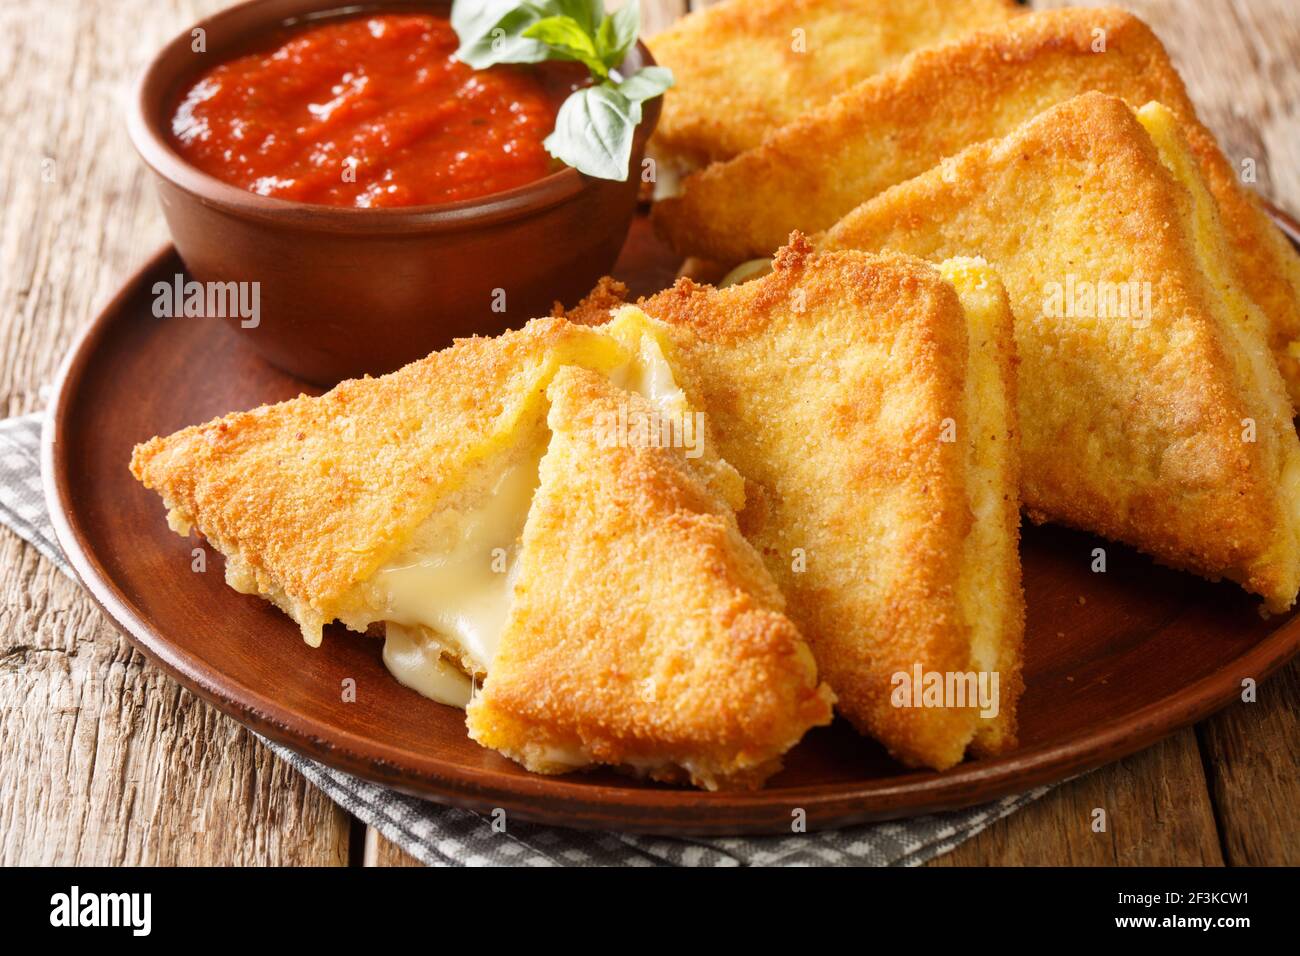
point(446, 836)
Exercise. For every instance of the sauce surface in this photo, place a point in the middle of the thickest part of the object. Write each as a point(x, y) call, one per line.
point(370, 111)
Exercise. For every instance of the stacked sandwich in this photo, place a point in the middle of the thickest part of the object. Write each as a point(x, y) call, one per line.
point(1001, 264)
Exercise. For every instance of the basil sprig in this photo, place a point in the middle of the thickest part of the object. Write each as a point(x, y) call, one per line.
point(595, 125)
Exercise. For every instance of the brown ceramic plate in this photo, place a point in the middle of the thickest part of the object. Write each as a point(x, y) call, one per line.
point(1114, 661)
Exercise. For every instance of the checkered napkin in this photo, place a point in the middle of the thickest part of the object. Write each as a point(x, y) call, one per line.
point(444, 836)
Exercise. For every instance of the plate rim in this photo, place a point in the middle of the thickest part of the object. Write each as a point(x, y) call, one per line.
point(557, 800)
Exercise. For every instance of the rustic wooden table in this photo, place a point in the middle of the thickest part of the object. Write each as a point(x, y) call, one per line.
point(103, 760)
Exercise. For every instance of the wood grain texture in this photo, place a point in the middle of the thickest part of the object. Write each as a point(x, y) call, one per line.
point(1140, 830)
point(105, 760)
point(381, 851)
point(1251, 755)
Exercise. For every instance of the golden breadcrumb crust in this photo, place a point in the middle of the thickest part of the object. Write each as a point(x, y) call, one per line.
point(594, 309)
point(645, 632)
point(897, 125)
point(309, 497)
point(746, 67)
point(828, 385)
point(1135, 428)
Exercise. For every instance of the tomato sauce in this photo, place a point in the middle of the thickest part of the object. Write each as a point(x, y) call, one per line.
point(371, 111)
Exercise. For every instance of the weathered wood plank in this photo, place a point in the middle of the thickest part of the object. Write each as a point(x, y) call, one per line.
point(1252, 756)
point(1141, 829)
point(381, 851)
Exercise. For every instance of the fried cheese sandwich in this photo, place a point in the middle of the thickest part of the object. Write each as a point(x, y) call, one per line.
point(644, 632)
point(401, 502)
point(1151, 409)
point(870, 406)
point(981, 86)
point(746, 67)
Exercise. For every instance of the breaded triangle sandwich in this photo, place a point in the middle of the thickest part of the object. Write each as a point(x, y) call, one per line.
point(747, 67)
point(869, 403)
point(405, 503)
point(644, 631)
point(320, 504)
point(1151, 408)
point(982, 86)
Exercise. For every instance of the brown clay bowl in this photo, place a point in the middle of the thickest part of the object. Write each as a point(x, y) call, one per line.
point(346, 291)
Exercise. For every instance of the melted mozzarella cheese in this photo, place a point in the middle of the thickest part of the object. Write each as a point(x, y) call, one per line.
point(417, 663)
point(463, 591)
point(751, 269)
point(453, 600)
point(649, 375)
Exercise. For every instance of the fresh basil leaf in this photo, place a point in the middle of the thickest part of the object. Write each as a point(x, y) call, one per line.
point(491, 32)
point(594, 127)
point(471, 19)
point(646, 84)
point(587, 13)
point(593, 132)
point(617, 33)
point(565, 38)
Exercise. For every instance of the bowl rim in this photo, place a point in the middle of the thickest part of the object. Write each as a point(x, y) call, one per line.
point(146, 126)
